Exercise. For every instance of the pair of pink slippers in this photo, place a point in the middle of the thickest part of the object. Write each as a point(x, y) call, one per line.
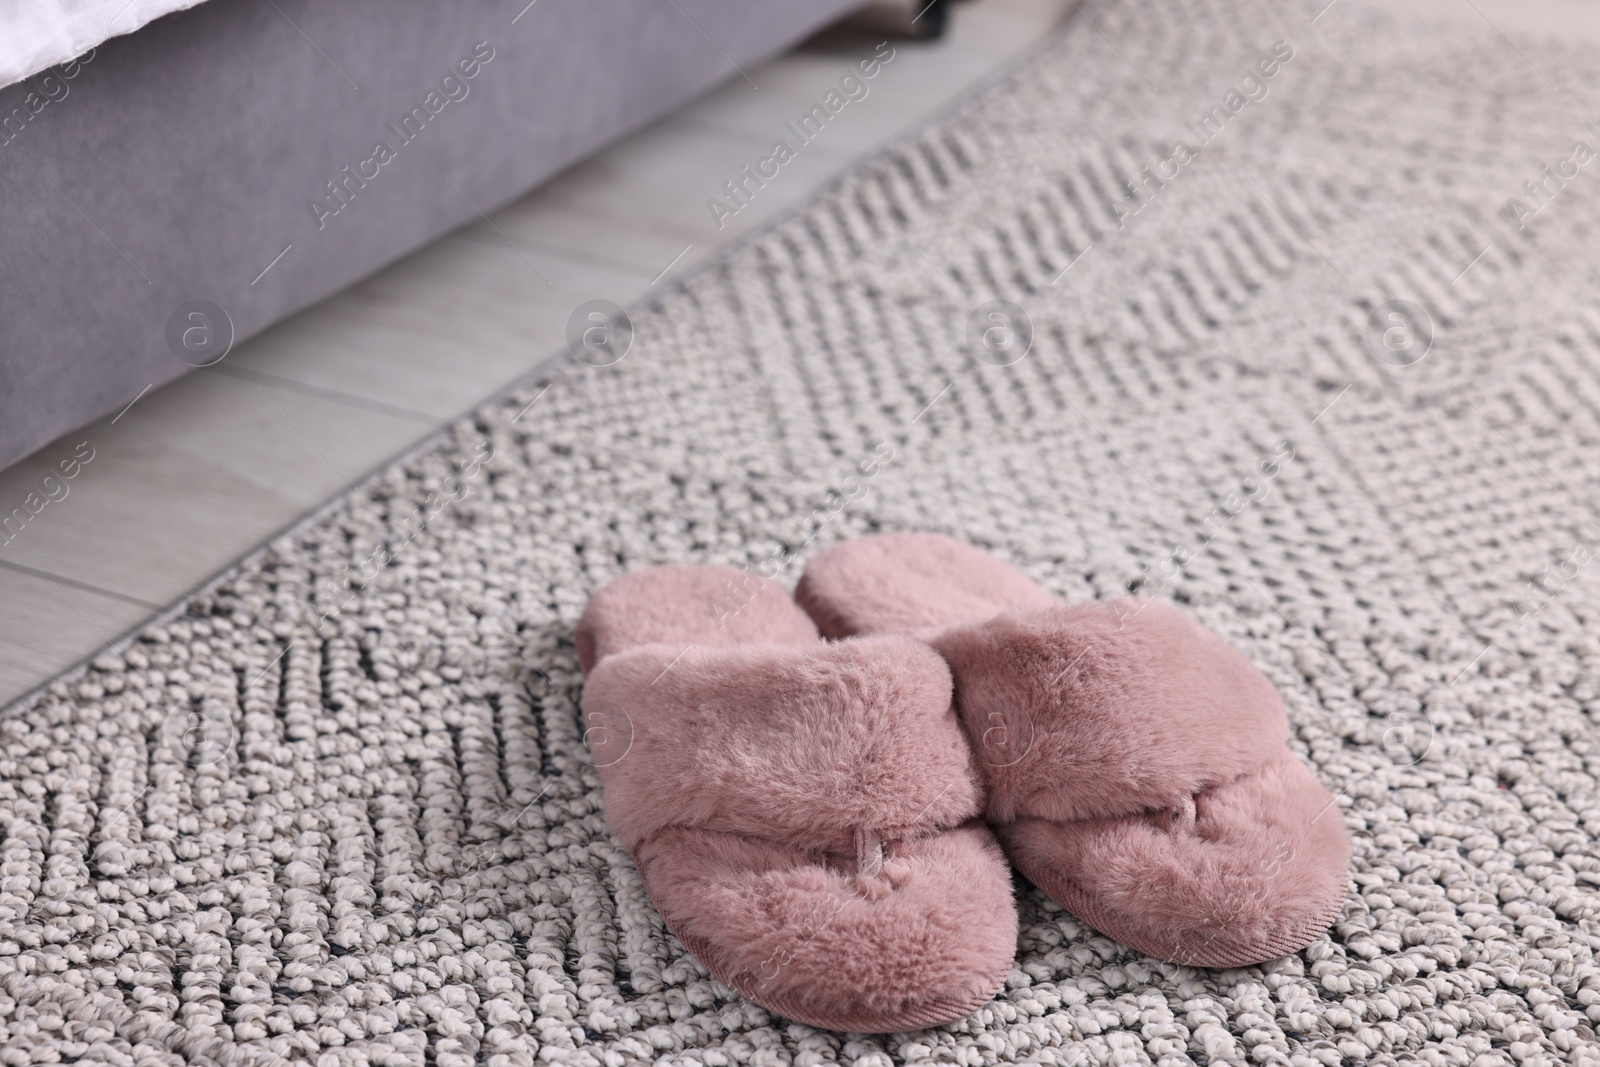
point(825, 824)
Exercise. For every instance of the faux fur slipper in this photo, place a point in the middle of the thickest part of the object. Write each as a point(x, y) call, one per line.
point(1134, 762)
point(805, 816)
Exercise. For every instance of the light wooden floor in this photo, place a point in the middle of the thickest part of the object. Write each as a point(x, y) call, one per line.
point(199, 473)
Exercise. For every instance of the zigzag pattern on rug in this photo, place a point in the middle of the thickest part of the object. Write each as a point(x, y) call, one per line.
point(345, 814)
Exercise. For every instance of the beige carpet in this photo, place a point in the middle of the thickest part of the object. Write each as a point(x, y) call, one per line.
point(338, 808)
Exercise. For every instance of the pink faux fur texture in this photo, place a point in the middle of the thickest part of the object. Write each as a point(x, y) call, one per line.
point(804, 815)
point(911, 584)
point(1106, 709)
point(1260, 873)
point(1134, 762)
point(804, 743)
point(928, 940)
point(718, 607)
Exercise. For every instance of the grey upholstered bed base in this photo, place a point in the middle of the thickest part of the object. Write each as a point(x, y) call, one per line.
point(147, 186)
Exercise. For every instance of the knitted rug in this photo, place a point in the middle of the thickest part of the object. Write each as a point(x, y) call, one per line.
point(1289, 322)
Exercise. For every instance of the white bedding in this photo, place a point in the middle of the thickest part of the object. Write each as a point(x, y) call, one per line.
point(38, 34)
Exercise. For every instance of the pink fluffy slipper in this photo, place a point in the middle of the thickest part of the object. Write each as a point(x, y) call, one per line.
point(1134, 762)
point(805, 816)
